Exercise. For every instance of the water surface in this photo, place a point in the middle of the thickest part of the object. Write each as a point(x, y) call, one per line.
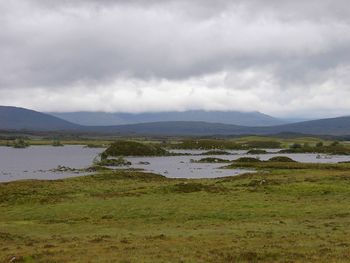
point(36, 162)
point(183, 167)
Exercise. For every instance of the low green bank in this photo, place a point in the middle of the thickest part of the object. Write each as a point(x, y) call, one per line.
point(275, 215)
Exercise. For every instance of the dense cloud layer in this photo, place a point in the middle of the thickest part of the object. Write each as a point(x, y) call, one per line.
point(279, 57)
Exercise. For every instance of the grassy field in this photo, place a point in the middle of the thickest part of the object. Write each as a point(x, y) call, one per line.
point(285, 142)
point(246, 141)
point(39, 142)
point(275, 215)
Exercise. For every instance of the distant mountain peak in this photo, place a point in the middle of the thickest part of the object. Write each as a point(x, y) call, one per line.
point(16, 118)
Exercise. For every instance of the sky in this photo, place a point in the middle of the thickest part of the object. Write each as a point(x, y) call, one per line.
point(284, 58)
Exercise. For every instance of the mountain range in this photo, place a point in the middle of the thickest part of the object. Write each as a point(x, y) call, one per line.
point(225, 117)
point(13, 118)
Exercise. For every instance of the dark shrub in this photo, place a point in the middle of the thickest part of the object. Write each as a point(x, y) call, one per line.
point(20, 143)
point(256, 151)
point(212, 160)
point(247, 160)
point(319, 144)
point(295, 146)
point(131, 148)
point(216, 152)
point(284, 159)
point(114, 162)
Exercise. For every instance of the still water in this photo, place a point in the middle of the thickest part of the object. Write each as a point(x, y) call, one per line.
point(36, 162)
point(182, 167)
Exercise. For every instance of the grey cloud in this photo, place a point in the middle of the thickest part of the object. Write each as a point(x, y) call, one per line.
point(311, 9)
point(54, 44)
point(72, 47)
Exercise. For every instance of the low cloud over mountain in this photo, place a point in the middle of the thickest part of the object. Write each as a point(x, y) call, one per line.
point(285, 58)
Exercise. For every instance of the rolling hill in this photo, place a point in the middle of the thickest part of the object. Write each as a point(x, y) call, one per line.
point(14, 118)
point(225, 117)
point(329, 126)
point(333, 126)
point(171, 128)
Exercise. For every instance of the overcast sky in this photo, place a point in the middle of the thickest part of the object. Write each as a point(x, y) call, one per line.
point(284, 58)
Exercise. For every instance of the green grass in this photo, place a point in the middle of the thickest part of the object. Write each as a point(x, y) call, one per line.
point(209, 144)
point(275, 163)
point(276, 215)
point(40, 142)
point(250, 142)
point(340, 149)
point(285, 142)
point(245, 142)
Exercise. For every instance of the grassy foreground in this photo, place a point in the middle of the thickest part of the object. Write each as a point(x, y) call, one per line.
point(279, 215)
